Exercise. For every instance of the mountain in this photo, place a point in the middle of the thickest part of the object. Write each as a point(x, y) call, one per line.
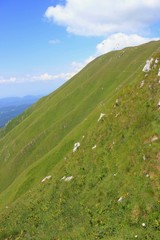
point(13, 106)
point(83, 162)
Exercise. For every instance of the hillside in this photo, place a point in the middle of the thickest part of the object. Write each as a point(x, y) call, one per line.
point(109, 187)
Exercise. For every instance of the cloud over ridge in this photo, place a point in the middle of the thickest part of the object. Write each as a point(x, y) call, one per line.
point(119, 41)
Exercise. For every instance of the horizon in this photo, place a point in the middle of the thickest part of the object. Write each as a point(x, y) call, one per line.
point(44, 44)
point(25, 96)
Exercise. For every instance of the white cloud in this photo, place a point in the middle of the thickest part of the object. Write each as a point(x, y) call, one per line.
point(43, 77)
point(54, 41)
point(38, 78)
point(78, 66)
point(90, 59)
point(119, 41)
point(7, 80)
point(49, 77)
point(95, 18)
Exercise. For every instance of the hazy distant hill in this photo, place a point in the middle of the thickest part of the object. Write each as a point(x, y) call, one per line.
point(83, 163)
point(13, 106)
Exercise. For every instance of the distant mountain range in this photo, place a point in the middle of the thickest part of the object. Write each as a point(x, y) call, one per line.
point(13, 106)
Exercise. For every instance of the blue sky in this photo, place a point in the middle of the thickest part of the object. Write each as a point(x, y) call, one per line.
point(45, 42)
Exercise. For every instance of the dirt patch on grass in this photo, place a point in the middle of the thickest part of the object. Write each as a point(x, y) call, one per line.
point(135, 214)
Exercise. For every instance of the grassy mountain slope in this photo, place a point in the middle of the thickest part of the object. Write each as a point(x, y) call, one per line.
point(115, 186)
point(55, 116)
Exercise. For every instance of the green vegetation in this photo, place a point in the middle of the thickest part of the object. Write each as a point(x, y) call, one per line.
point(114, 192)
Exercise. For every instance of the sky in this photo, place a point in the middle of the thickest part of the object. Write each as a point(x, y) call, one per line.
point(43, 43)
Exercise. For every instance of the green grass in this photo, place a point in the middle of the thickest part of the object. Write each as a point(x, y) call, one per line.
point(40, 142)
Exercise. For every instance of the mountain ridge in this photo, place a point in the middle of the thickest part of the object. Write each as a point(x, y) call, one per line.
point(45, 148)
